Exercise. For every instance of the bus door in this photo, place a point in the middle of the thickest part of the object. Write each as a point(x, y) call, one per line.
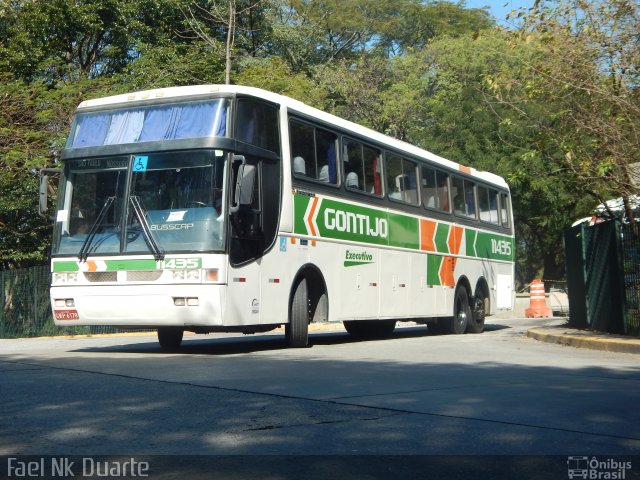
point(253, 223)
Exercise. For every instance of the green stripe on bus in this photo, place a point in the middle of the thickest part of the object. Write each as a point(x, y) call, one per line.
point(131, 265)
point(433, 269)
point(328, 218)
point(441, 237)
point(470, 240)
point(65, 267)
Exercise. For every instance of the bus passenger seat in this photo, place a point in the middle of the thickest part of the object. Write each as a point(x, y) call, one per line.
point(299, 166)
point(352, 180)
point(323, 175)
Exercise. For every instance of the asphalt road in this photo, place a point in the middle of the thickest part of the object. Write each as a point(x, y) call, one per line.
point(416, 393)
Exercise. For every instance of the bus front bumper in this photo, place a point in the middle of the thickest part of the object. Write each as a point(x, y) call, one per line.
point(139, 305)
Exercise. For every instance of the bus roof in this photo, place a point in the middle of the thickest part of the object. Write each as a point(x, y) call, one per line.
point(164, 94)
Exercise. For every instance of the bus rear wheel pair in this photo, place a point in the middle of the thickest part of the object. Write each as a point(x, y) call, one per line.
point(468, 315)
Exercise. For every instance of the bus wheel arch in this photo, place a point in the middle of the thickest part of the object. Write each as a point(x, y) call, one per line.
point(308, 302)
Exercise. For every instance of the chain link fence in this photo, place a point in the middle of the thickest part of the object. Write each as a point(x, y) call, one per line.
point(26, 308)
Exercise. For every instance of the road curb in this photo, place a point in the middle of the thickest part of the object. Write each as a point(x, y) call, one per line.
point(580, 339)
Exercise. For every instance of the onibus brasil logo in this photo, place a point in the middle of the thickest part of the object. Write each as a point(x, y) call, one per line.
point(593, 468)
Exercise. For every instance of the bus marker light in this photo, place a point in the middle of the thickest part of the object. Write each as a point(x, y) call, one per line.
point(193, 302)
point(59, 302)
point(240, 280)
point(69, 302)
point(274, 280)
point(179, 301)
point(212, 275)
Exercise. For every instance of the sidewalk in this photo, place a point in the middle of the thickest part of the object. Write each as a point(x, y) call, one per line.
point(564, 335)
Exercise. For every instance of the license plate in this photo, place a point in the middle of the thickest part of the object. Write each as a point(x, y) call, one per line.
point(66, 315)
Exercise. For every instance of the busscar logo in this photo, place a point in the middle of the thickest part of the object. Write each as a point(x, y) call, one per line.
point(170, 226)
point(596, 469)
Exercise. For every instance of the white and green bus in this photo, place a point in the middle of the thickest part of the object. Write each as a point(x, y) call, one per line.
point(228, 208)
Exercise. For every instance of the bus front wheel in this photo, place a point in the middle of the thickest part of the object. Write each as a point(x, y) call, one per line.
point(170, 337)
point(297, 330)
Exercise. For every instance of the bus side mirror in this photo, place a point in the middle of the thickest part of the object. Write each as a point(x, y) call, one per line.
point(42, 195)
point(245, 184)
point(43, 190)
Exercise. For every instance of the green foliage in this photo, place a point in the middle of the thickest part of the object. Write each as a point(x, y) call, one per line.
point(552, 107)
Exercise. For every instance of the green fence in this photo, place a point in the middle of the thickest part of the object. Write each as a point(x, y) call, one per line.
point(630, 247)
point(26, 310)
point(603, 275)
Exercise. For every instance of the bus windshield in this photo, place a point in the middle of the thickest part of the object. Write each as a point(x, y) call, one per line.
point(156, 203)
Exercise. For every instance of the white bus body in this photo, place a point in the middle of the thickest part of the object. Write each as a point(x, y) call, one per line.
point(229, 208)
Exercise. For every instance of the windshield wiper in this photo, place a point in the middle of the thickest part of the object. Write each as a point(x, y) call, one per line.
point(144, 226)
point(84, 250)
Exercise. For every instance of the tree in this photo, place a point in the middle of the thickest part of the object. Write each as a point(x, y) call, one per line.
point(587, 75)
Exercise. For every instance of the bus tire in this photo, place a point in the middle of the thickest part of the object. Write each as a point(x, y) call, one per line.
point(461, 312)
point(476, 320)
point(170, 337)
point(297, 330)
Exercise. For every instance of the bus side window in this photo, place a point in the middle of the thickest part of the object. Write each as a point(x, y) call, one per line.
point(372, 171)
point(353, 165)
point(326, 156)
point(435, 189)
point(402, 179)
point(302, 151)
point(442, 185)
point(361, 167)
point(487, 205)
point(257, 124)
point(464, 203)
point(314, 152)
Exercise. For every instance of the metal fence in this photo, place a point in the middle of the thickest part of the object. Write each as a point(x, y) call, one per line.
point(630, 256)
point(603, 275)
point(26, 309)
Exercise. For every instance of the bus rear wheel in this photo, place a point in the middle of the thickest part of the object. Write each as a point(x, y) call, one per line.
point(297, 330)
point(170, 337)
point(476, 320)
point(461, 313)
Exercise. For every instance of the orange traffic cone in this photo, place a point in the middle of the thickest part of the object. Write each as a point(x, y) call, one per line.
point(537, 304)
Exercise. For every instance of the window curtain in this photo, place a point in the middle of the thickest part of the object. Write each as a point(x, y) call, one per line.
point(190, 120)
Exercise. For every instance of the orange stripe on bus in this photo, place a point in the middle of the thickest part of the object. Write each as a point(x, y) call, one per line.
point(427, 229)
point(464, 169)
point(446, 271)
point(455, 239)
point(314, 204)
